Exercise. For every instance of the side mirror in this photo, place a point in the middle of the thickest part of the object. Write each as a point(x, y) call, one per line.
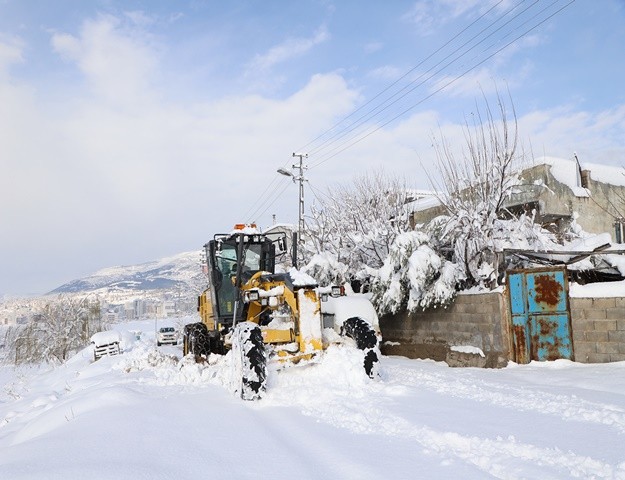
point(282, 244)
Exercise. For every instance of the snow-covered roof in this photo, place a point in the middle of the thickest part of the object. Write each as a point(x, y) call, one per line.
point(567, 173)
point(423, 203)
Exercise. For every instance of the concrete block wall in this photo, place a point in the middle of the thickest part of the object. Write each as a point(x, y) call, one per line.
point(473, 320)
point(598, 326)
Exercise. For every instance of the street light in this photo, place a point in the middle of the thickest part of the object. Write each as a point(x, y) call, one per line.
point(284, 172)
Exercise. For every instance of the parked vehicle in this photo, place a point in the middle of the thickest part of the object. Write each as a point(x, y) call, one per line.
point(166, 335)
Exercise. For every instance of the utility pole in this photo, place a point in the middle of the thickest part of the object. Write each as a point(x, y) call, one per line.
point(301, 179)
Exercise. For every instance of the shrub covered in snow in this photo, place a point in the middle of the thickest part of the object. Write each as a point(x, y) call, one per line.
point(413, 276)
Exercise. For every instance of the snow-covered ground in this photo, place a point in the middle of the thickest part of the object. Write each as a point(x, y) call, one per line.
point(146, 415)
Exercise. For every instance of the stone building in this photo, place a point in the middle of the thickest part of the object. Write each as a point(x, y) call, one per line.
point(559, 191)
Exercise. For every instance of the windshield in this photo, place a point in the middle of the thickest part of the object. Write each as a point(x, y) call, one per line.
point(225, 262)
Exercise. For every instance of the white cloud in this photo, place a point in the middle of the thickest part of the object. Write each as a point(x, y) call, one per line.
point(105, 185)
point(597, 137)
point(373, 47)
point(473, 84)
point(10, 54)
point(429, 15)
point(387, 73)
point(289, 49)
point(140, 18)
point(116, 61)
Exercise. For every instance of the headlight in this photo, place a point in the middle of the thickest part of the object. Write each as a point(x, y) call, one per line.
point(336, 291)
point(253, 296)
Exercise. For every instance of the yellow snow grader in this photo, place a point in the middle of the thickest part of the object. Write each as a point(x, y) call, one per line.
point(261, 315)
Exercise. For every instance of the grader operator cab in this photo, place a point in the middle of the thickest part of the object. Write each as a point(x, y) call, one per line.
point(261, 315)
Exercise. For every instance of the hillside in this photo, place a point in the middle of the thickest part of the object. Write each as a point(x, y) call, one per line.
point(170, 273)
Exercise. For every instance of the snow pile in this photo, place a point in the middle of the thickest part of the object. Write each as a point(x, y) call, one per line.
point(597, 290)
point(104, 338)
point(355, 305)
point(468, 349)
point(301, 279)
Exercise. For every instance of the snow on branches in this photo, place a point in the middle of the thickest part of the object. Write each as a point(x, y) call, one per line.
point(475, 187)
point(413, 276)
point(61, 327)
point(357, 224)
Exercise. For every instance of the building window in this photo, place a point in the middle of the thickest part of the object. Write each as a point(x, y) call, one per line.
point(619, 230)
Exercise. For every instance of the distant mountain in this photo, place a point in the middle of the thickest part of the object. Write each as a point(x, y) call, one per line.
point(171, 273)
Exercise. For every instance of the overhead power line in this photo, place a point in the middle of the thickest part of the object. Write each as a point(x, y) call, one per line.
point(443, 84)
point(422, 79)
point(351, 131)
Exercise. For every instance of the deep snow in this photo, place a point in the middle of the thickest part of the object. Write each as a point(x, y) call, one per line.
point(145, 414)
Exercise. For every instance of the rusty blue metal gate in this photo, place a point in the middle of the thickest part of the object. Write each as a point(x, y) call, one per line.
point(540, 313)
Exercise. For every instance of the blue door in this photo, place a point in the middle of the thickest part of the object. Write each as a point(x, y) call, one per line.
point(539, 310)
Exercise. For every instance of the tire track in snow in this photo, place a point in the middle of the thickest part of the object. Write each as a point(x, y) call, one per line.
point(493, 456)
point(567, 407)
point(346, 400)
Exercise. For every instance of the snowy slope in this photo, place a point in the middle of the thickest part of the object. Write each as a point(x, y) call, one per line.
point(147, 415)
point(167, 273)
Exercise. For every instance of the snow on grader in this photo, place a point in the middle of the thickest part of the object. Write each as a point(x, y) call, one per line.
point(263, 316)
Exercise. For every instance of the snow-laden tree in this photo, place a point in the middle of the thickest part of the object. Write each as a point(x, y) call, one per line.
point(475, 186)
point(61, 327)
point(414, 276)
point(356, 224)
point(326, 269)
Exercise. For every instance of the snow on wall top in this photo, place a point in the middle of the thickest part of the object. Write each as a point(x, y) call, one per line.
point(567, 172)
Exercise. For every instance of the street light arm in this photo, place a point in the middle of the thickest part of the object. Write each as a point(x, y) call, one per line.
point(284, 172)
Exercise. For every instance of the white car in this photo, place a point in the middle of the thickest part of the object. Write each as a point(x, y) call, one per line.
point(166, 335)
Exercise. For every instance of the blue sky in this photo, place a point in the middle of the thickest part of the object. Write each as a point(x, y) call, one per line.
point(130, 131)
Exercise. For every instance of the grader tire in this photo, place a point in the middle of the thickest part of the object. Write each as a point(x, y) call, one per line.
point(250, 360)
point(196, 340)
point(363, 334)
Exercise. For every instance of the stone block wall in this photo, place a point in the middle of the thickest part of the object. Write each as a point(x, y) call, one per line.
point(472, 320)
point(598, 326)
